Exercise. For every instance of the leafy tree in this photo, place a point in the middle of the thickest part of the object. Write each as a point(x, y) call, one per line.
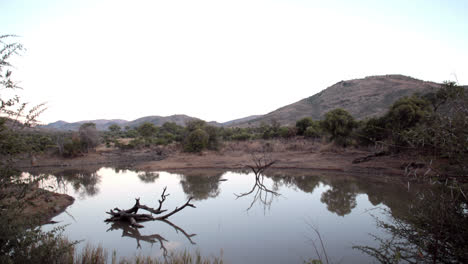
point(339, 124)
point(313, 131)
point(196, 141)
point(115, 129)
point(407, 112)
point(147, 130)
point(303, 124)
point(193, 125)
point(287, 132)
point(371, 131)
point(89, 136)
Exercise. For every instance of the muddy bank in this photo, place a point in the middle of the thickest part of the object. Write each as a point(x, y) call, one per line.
point(40, 205)
point(292, 154)
point(303, 154)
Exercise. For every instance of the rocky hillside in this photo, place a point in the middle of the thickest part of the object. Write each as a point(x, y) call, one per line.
point(363, 98)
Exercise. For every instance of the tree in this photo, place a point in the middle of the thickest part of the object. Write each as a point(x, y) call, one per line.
point(303, 124)
point(196, 141)
point(89, 136)
point(339, 124)
point(406, 113)
point(147, 130)
point(115, 129)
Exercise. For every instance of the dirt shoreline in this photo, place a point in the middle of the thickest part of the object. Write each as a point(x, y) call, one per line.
point(297, 154)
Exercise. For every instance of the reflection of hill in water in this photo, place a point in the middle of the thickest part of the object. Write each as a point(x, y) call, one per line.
point(200, 184)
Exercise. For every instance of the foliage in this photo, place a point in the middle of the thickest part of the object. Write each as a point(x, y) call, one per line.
point(314, 130)
point(20, 240)
point(147, 130)
point(72, 147)
point(196, 141)
point(371, 131)
point(89, 136)
point(406, 113)
point(444, 134)
point(434, 230)
point(339, 124)
point(115, 129)
point(287, 132)
point(303, 124)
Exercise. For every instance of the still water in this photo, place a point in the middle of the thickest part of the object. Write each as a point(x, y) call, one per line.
point(260, 227)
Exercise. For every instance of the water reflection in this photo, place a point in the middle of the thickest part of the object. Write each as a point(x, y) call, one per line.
point(433, 230)
point(84, 182)
point(134, 232)
point(260, 192)
point(221, 220)
point(148, 176)
point(201, 184)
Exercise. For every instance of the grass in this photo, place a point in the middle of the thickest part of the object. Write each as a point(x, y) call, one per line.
point(99, 255)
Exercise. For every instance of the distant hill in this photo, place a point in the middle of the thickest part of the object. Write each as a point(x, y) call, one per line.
point(240, 120)
point(363, 98)
point(103, 124)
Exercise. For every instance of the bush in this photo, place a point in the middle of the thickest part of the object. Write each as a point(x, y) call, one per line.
point(147, 130)
point(339, 124)
point(196, 141)
point(371, 131)
point(313, 131)
point(303, 124)
point(242, 136)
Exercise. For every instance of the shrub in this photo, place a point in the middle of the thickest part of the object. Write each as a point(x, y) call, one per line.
point(313, 131)
point(303, 124)
point(196, 141)
point(339, 124)
point(242, 136)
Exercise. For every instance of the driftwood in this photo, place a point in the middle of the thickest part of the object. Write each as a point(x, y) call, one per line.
point(133, 217)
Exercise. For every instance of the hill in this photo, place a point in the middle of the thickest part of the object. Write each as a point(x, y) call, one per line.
point(367, 97)
point(103, 124)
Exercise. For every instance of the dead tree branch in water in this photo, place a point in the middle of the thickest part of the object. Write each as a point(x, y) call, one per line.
point(262, 162)
point(131, 215)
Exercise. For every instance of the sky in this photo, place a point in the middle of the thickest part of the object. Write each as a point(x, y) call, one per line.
point(221, 60)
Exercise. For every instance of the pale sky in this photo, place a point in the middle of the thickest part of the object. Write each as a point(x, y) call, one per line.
point(222, 60)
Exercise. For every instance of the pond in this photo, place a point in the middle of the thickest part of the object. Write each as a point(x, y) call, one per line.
point(260, 227)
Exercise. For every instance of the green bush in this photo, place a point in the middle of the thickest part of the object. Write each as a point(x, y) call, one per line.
point(339, 124)
point(196, 141)
point(242, 136)
point(303, 124)
point(313, 131)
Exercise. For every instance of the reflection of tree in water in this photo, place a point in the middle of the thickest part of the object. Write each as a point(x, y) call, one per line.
point(307, 183)
point(300, 179)
point(148, 176)
point(201, 184)
point(433, 230)
point(339, 200)
point(84, 182)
